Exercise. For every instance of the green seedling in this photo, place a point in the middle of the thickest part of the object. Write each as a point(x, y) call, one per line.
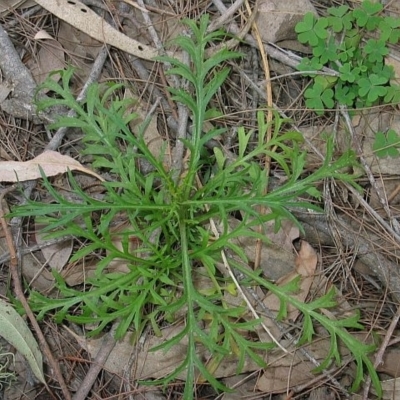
point(169, 217)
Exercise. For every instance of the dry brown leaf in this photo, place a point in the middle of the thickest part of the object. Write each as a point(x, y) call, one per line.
point(82, 50)
point(50, 57)
point(51, 162)
point(157, 364)
point(79, 272)
point(391, 362)
point(277, 257)
point(56, 255)
point(36, 274)
point(85, 19)
point(118, 234)
point(289, 370)
point(306, 263)
point(306, 260)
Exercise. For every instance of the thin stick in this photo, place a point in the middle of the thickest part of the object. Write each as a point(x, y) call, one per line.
point(98, 364)
point(20, 295)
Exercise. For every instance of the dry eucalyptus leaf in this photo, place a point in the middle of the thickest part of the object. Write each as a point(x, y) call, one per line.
point(51, 162)
point(158, 146)
point(118, 235)
point(38, 277)
point(81, 49)
point(82, 17)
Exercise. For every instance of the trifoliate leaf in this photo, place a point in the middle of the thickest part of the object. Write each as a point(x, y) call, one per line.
point(386, 145)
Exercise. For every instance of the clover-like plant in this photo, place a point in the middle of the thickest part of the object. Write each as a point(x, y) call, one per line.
point(387, 144)
point(354, 43)
point(169, 219)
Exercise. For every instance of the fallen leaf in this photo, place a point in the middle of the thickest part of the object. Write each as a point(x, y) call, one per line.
point(57, 254)
point(85, 19)
point(157, 364)
point(51, 162)
point(50, 57)
point(15, 331)
point(287, 371)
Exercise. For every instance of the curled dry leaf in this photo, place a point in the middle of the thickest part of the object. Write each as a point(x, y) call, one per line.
point(51, 162)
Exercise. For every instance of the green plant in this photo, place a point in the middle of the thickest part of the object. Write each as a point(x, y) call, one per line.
point(337, 42)
point(169, 218)
point(387, 144)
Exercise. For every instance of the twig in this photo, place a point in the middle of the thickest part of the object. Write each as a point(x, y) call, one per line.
point(239, 33)
point(26, 14)
point(156, 40)
point(221, 21)
point(325, 374)
point(152, 89)
point(183, 113)
point(267, 159)
point(97, 365)
point(20, 295)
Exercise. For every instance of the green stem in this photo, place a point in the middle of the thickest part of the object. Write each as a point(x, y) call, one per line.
point(190, 298)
